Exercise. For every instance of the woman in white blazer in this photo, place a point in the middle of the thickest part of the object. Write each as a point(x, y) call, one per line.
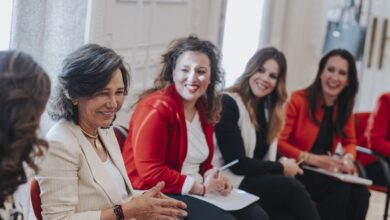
point(83, 175)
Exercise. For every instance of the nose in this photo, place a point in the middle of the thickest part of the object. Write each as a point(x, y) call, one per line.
point(112, 102)
point(191, 75)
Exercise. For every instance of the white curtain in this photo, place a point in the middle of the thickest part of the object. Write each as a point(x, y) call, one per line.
point(48, 30)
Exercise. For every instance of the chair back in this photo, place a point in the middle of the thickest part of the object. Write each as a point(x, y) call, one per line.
point(35, 192)
point(121, 134)
point(361, 122)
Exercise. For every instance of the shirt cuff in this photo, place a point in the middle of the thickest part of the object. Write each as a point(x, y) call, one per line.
point(188, 183)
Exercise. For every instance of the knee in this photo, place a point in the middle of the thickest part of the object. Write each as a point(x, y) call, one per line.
point(361, 193)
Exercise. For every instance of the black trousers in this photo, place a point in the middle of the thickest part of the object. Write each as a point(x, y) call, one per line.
point(201, 210)
point(336, 200)
point(282, 197)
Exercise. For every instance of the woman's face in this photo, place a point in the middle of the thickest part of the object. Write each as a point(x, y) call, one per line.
point(99, 110)
point(334, 78)
point(192, 76)
point(264, 80)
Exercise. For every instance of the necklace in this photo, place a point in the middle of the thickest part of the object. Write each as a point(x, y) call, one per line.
point(96, 141)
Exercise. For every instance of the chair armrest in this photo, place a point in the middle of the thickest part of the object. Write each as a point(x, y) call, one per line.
point(381, 160)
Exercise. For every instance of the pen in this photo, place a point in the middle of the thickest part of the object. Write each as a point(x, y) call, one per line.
point(228, 165)
point(300, 161)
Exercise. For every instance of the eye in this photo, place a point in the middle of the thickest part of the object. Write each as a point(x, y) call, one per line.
point(201, 72)
point(331, 69)
point(261, 70)
point(102, 94)
point(274, 76)
point(342, 72)
point(184, 70)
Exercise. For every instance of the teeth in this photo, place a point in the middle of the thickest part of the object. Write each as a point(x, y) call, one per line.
point(258, 84)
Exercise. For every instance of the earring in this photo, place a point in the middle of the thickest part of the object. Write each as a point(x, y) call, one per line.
point(74, 102)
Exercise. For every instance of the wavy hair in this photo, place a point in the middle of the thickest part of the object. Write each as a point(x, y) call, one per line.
point(275, 100)
point(211, 98)
point(346, 98)
point(24, 91)
point(85, 72)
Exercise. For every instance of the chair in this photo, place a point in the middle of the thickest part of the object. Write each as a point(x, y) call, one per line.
point(35, 192)
point(366, 156)
point(121, 134)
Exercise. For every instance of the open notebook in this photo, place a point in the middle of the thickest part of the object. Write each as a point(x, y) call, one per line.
point(236, 200)
point(343, 177)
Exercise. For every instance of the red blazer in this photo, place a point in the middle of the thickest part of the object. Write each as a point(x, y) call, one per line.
point(300, 132)
point(157, 142)
point(379, 126)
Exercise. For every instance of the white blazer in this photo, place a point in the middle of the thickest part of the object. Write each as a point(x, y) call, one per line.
point(74, 183)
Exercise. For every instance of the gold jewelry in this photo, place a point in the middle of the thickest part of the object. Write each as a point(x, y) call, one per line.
point(96, 141)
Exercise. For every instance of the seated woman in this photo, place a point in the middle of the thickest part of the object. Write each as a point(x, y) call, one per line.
point(171, 131)
point(83, 175)
point(251, 120)
point(378, 137)
point(20, 114)
point(318, 119)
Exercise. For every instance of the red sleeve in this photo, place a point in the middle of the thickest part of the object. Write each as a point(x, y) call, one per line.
point(379, 127)
point(349, 143)
point(150, 141)
point(292, 114)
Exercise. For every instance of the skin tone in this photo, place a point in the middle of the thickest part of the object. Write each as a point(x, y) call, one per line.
point(99, 111)
point(191, 77)
point(262, 83)
point(334, 78)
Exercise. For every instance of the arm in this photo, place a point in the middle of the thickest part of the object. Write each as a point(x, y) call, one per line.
point(58, 181)
point(150, 140)
point(284, 147)
point(231, 144)
point(379, 127)
point(349, 142)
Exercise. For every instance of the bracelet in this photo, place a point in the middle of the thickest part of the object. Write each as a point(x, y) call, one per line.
point(118, 211)
point(203, 190)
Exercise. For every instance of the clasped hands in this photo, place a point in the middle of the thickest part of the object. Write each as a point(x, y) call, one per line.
point(335, 163)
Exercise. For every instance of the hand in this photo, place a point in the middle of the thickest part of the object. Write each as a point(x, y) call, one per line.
point(154, 205)
point(326, 162)
point(348, 166)
point(215, 183)
point(290, 167)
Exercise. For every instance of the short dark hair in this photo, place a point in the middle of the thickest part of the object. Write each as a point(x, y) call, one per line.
point(346, 98)
point(85, 72)
point(24, 91)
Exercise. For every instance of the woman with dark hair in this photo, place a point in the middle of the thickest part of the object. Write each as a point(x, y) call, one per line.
point(20, 114)
point(83, 175)
point(251, 119)
point(171, 131)
point(319, 118)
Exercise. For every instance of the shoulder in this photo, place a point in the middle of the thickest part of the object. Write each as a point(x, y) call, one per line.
point(385, 98)
point(229, 99)
point(62, 137)
point(160, 99)
point(299, 95)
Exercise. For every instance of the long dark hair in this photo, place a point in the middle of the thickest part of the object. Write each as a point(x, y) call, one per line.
point(275, 100)
point(192, 43)
point(85, 72)
point(345, 100)
point(24, 91)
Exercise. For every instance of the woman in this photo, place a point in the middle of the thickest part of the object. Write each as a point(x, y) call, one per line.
point(20, 114)
point(170, 133)
point(251, 120)
point(318, 119)
point(378, 138)
point(83, 176)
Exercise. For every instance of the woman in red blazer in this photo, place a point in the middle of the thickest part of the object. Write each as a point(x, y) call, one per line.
point(319, 118)
point(379, 137)
point(171, 131)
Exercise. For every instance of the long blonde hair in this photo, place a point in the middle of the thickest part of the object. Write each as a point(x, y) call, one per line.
point(274, 101)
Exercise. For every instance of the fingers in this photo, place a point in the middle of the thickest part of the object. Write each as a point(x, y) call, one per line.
point(155, 191)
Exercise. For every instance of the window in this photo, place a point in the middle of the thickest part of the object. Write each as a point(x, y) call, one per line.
point(241, 36)
point(5, 23)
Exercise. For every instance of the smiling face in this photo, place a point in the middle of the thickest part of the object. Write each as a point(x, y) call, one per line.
point(192, 76)
point(264, 80)
point(99, 110)
point(334, 78)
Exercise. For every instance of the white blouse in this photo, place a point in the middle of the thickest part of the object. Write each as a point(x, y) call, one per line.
point(116, 177)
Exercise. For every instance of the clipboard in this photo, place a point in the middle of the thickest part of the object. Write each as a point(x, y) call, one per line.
point(341, 176)
point(237, 199)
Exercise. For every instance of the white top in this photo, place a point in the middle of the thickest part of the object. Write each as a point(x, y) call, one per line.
point(197, 153)
point(12, 210)
point(116, 177)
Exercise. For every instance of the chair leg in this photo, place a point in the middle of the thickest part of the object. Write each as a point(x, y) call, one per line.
point(387, 202)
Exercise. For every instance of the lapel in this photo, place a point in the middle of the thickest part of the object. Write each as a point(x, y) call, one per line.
point(110, 142)
point(98, 171)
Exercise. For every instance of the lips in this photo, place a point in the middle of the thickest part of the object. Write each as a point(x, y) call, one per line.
point(192, 88)
point(261, 86)
point(107, 113)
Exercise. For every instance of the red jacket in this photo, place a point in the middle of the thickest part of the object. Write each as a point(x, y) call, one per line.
point(379, 126)
point(157, 142)
point(300, 132)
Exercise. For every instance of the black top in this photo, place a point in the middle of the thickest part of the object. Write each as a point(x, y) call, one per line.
point(324, 141)
point(231, 144)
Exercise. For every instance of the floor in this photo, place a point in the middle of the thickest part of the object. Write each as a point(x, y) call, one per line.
point(377, 205)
